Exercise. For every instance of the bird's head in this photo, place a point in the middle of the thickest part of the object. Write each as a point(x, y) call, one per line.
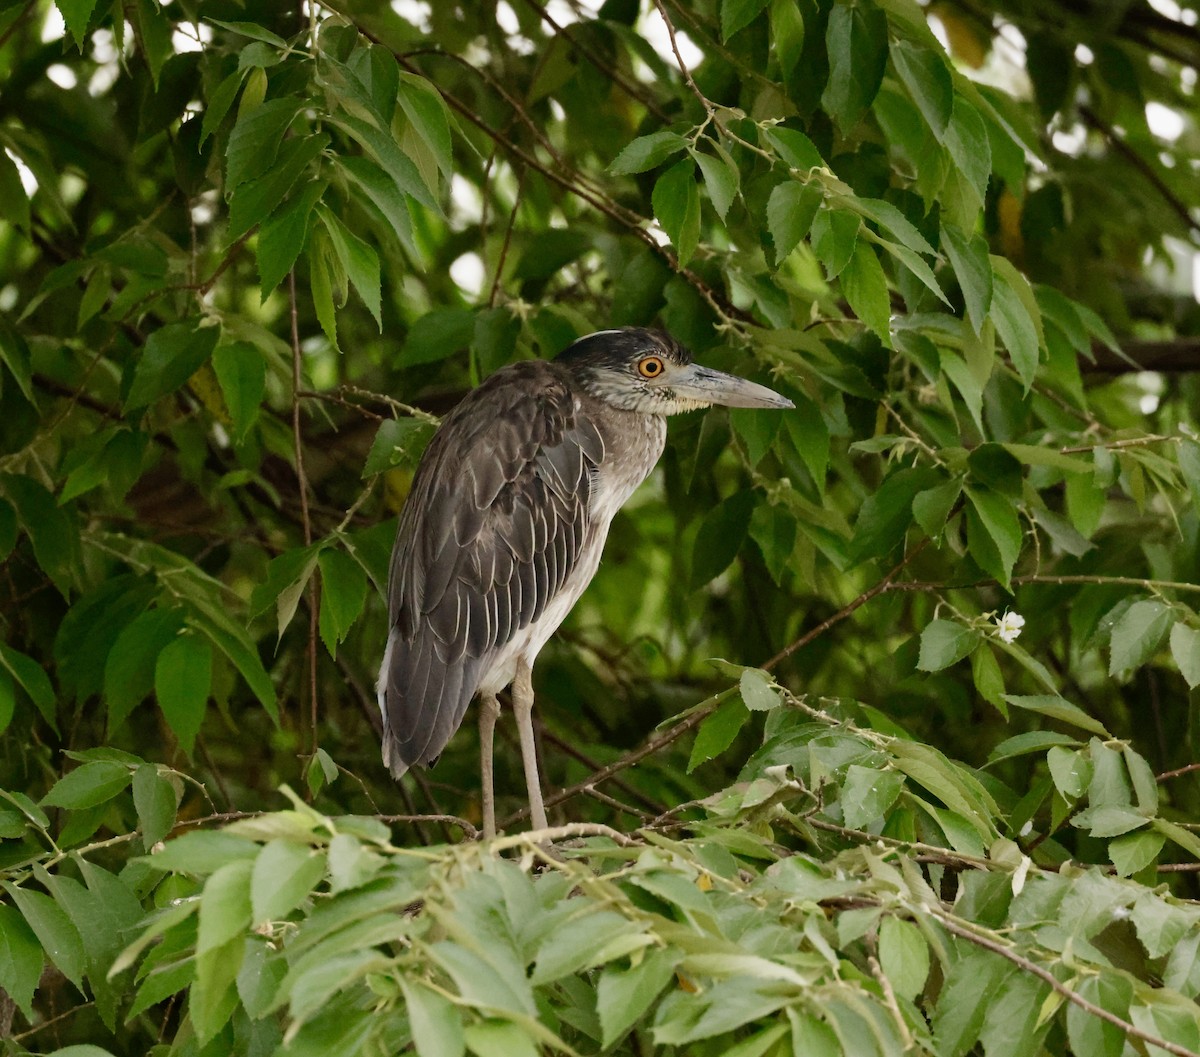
point(649, 371)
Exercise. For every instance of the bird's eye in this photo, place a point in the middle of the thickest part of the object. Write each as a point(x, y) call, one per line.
point(650, 367)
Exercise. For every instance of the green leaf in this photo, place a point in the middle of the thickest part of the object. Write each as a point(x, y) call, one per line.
point(255, 200)
point(924, 73)
point(1016, 329)
point(865, 288)
point(1133, 852)
point(787, 34)
point(998, 516)
point(14, 205)
point(287, 577)
point(201, 852)
point(886, 514)
point(717, 732)
point(20, 959)
point(738, 14)
point(1088, 1033)
point(438, 334)
point(758, 691)
point(358, 259)
point(225, 908)
point(791, 210)
point(283, 876)
point(812, 1037)
point(129, 669)
point(1058, 708)
point(623, 996)
point(397, 442)
point(943, 643)
point(382, 147)
point(967, 141)
point(857, 41)
point(76, 15)
point(219, 102)
point(931, 508)
point(435, 1022)
point(647, 152)
point(1138, 634)
point(182, 680)
point(973, 268)
point(720, 537)
point(1185, 648)
point(14, 352)
point(252, 30)
point(53, 533)
point(903, 956)
point(242, 374)
point(171, 355)
point(33, 680)
point(155, 800)
point(388, 198)
point(795, 148)
point(283, 236)
point(721, 178)
point(255, 140)
point(343, 595)
point(868, 793)
point(92, 783)
point(59, 938)
point(676, 204)
point(834, 239)
point(425, 109)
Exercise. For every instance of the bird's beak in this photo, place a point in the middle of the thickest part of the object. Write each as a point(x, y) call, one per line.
point(694, 382)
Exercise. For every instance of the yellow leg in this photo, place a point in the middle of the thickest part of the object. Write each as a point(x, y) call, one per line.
point(522, 695)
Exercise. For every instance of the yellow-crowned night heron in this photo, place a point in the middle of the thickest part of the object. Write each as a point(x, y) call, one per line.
point(504, 526)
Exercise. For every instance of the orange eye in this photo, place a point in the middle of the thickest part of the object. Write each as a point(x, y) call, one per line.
point(650, 367)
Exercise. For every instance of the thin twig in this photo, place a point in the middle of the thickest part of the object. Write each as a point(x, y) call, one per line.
point(508, 233)
point(469, 831)
point(1047, 977)
point(884, 585)
point(1166, 775)
point(302, 484)
point(687, 74)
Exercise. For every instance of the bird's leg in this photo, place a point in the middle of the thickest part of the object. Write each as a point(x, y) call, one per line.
point(489, 711)
point(522, 697)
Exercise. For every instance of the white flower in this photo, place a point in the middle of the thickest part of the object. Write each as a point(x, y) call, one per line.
point(1009, 626)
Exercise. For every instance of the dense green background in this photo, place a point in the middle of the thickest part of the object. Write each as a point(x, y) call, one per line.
point(249, 254)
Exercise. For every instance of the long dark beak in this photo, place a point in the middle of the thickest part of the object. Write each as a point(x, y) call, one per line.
point(714, 387)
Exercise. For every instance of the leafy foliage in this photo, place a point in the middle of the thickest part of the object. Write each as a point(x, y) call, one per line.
point(248, 254)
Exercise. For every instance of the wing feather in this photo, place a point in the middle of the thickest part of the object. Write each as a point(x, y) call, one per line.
point(493, 526)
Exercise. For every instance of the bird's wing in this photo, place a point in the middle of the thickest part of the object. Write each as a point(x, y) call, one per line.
point(492, 528)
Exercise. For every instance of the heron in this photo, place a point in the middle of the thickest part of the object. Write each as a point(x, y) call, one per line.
point(504, 526)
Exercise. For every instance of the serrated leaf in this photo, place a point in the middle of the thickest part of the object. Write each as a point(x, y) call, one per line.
point(129, 668)
point(242, 375)
point(171, 355)
point(435, 1022)
point(757, 690)
point(287, 577)
point(1138, 634)
point(623, 996)
point(155, 801)
point(1133, 852)
point(924, 73)
point(283, 875)
point(943, 643)
point(647, 152)
point(283, 236)
point(717, 732)
point(1185, 649)
point(1058, 708)
point(973, 268)
point(903, 956)
point(676, 204)
point(834, 239)
point(20, 959)
point(182, 680)
point(343, 595)
point(787, 34)
point(795, 148)
point(998, 516)
point(359, 260)
point(59, 938)
point(76, 15)
point(1016, 329)
point(33, 680)
point(255, 140)
point(720, 537)
point(868, 793)
point(791, 210)
point(90, 784)
point(256, 199)
point(721, 179)
point(865, 288)
point(931, 508)
point(857, 41)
